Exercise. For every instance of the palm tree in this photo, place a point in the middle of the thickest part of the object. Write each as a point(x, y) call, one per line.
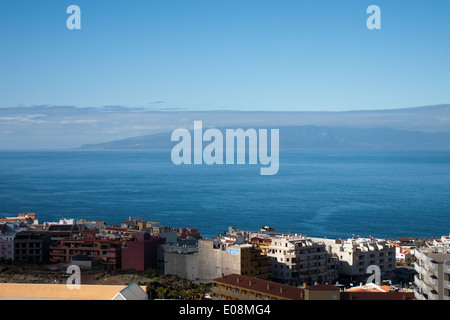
point(202, 290)
point(162, 292)
point(151, 290)
point(173, 294)
point(186, 294)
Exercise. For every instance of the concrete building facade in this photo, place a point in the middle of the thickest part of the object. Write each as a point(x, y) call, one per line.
point(140, 252)
point(178, 260)
point(355, 255)
point(32, 246)
point(88, 244)
point(213, 257)
point(433, 278)
point(297, 260)
point(239, 287)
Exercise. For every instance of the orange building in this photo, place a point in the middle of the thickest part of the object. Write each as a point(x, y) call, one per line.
point(372, 291)
point(21, 217)
point(240, 287)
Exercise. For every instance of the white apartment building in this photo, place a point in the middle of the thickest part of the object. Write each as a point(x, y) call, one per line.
point(355, 255)
point(433, 278)
point(8, 232)
point(297, 260)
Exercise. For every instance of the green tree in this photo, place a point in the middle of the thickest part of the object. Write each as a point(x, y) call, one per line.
point(162, 292)
point(202, 290)
point(173, 294)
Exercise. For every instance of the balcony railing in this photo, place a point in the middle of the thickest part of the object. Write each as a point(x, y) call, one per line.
point(419, 283)
point(432, 265)
point(418, 296)
point(433, 296)
point(418, 268)
point(432, 280)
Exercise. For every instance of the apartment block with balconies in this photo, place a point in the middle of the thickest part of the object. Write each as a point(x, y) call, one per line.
point(32, 246)
point(297, 260)
point(86, 243)
point(433, 274)
point(355, 255)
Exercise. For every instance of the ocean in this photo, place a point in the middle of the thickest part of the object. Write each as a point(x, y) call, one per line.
point(317, 193)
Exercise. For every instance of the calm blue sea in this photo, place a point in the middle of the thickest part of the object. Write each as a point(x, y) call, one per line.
point(317, 193)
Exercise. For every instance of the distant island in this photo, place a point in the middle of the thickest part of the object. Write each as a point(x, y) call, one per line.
point(309, 137)
point(111, 128)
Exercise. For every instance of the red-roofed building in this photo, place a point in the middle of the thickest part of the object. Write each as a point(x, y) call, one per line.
point(21, 217)
point(240, 287)
point(372, 291)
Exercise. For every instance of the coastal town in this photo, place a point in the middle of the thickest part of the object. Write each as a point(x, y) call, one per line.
point(143, 260)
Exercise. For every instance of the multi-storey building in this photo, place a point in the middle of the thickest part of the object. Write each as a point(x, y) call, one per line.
point(355, 255)
point(32, 246)
point(186, 233)
point(219, 256)
point(8, 232)
point(96, 224)
point(239, 287)
point(213, 257)
point(433, 278)
point(6, 242)
point(86, 243)
point(294, 259)
point(140, 252)
point(117, 233)
point(297, 260)
point(58, 232)
point(131, 223)
point(180, 260)
point(28, 218)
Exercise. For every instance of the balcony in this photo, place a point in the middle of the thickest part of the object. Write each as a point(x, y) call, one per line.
point(432, 265)
point(419, 283)
point(418, 268)
point(54, 253)
point(432, 280)
point(418, 296)
point(433, 295)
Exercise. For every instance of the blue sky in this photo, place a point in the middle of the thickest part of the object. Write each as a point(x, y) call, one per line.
point(225, 54)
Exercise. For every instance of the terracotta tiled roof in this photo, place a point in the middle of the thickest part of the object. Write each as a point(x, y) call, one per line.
point(374, 289)
point(262, 286)
point(323, 287)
